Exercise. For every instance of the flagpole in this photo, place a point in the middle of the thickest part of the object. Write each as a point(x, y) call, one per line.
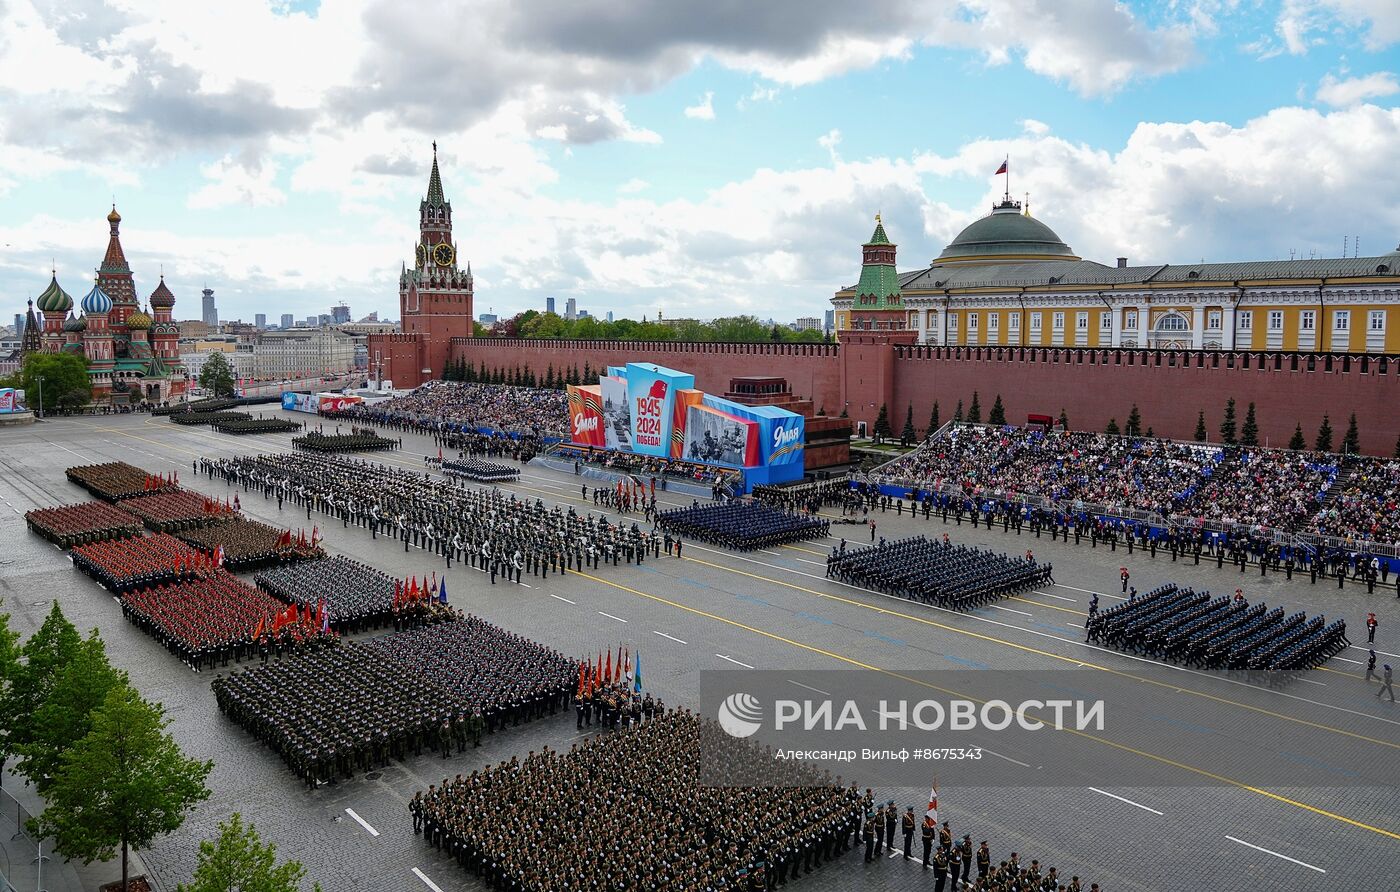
point(1007, 164)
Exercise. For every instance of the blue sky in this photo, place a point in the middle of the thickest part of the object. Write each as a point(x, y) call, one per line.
point(700, 160)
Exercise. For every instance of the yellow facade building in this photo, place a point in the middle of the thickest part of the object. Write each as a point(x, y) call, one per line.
point(1008, 279)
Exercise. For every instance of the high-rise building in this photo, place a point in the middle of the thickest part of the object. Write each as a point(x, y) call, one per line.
point(287, 321)
point(583, 314)
point(829, 321)
point(610, 315)
point(311, 321)
point(548, 306)
point(260, 320)
point(806, 323)
point(571, 309)
point(340, 314)
point(211, 312)
point(19, 325)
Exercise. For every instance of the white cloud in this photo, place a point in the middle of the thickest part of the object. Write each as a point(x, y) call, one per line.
point(233, 182)
point(1305, 23)
point(1342, 92)
point(703, 110)
point(1034, 127)
point(633, 186)
point(829, 141)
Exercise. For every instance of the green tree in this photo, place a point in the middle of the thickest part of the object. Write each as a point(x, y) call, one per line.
point(123, 785)
point(1351, 440)
point(1249, 433)
point(1200, 427)
point(998, 414)
point(1150, 435)
point(1112, 428)
point(1397, 447)
point(1297, 443)
point(882, 424)
point(908, 435)
point(776, 335)
point(65, 717)
point(1134, 425)
point(239, 860)
point(958, 412)
point(9, 670)
point(65, 380)
point(1227, 426)
point(47, 653)
point(1324, 435)
point(974, 411)
point(934, 422)
point(1064, 420)
point(216, 376)
point(549, 376)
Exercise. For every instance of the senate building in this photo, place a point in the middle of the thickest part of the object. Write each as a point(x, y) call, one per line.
point(1009, 280)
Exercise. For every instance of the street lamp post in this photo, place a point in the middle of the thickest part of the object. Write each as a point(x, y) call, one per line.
point(41, 396)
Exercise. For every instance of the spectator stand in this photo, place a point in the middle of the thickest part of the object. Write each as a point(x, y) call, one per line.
point(70, 525)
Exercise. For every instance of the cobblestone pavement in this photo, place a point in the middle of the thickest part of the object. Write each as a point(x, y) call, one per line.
point(720, 610)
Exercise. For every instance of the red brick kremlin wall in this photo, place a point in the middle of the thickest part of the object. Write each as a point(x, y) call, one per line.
point(1092, 386)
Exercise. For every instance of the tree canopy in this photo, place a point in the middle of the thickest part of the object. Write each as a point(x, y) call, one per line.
point(239, 860)
point(217, 376)
point(747, 329)
point(65, 716)
point(65, 380)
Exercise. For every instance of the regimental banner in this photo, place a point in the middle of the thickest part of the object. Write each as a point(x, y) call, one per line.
point(586, 415)
point(651, 392)
point(617, 413)
point(718, 438)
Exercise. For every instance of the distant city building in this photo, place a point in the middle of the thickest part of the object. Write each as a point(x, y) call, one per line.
point(340, 314)
point(548, 306)
point(372, 317)
point(211, 312)
point(829, 321)
point(806, 323)
point(19, 325)
point(287, 321)
point(311, 321)
point(298, 353)
point(260, 320)
point(239, 357)
point(571, 309)
point(583, 314)
point(610, 312)
point(193, 328)
point(487, 318)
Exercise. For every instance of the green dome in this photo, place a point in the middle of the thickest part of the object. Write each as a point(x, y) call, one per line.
point(1006, 235)
point(54, 299)
point(75, 323)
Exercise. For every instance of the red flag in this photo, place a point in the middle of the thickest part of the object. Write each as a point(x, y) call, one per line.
point(581, 681)
point(398, 593)
point(932, 811)
point(607, 668)
point(1002, 169)
point(617, 672)
point(257, 632)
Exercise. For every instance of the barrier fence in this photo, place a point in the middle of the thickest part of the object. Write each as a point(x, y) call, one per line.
point(22, 857)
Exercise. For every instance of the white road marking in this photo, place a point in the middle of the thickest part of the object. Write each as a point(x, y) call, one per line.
point(1384, 653)
point(1345, 660)
point(1121, 799)
point(734, 661)
point(610, 616)
point(362, 822)
point(561, 598)
point(812, 689)
point(1056, 597)
point(1009, 610)
point(1275, 854)
point(424, 877)
point(664, 635)
point(774, 553)
point(805, 561)
point(1310, 681)
point(1007, 758)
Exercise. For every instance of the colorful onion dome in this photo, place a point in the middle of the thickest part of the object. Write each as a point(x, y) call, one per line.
point(138, 320)
point(162, 297)
point(54, 299)
point(97, 301)
point(114, 217)
point(75, 323)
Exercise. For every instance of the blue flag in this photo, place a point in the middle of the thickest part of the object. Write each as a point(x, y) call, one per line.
point(442, 591)
point(637, 674)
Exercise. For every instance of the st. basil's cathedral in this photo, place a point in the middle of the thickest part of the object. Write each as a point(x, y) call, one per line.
point(132, 354)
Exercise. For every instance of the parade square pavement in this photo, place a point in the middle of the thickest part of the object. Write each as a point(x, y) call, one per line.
point(710, 610)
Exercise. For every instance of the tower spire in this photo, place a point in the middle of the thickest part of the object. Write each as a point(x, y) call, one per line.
point(435, 195)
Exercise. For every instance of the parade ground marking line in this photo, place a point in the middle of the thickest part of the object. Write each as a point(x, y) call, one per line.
point(610, 616)
point(424, 877)
point(1121, 799)
point(1275, 854)
point(734, 661)
point(1007, 758)
point(562, 598)
point(1009, 610)
point(1060, 657)
point(1352, 822)
point(362, 822)
point(812, 689)
point(664, 635)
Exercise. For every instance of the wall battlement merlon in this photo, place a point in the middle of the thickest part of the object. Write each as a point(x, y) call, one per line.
point(1380, 364)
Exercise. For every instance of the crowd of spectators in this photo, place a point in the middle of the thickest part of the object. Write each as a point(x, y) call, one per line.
point(1267, 490)
point(454, 406)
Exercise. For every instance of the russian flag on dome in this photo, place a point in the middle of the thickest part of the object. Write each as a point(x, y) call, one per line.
point(1002, 169)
